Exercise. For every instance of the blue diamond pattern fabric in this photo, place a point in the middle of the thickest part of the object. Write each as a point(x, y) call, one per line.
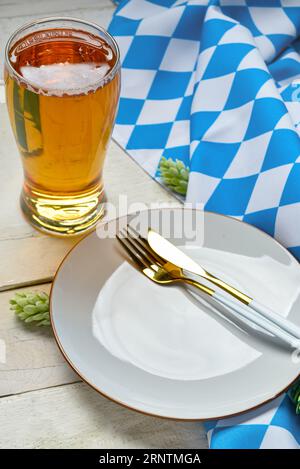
point(216, 84)
point(273, 426)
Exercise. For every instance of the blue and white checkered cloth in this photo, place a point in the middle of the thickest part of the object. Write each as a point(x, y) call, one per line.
point(214, 84)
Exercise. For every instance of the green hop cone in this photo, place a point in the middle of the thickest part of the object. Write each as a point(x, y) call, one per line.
point(294, 394)
point(32, 307)
point(174, 174)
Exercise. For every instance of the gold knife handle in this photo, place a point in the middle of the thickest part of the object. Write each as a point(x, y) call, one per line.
point(229, 289)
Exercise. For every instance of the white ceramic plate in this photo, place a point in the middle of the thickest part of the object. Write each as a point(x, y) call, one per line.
point(162, 350)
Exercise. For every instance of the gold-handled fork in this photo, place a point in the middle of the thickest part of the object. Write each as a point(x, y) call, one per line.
point(164, 273)
point(152, 265)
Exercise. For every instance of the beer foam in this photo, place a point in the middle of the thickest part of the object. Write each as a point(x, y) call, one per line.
point(65, 78)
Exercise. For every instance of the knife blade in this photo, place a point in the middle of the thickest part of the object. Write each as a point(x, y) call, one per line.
point(171, 253)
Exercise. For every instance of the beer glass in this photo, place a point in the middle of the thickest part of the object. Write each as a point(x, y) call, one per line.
point(62, 78)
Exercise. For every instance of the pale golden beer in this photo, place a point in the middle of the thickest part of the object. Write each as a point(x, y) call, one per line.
point(62, 81)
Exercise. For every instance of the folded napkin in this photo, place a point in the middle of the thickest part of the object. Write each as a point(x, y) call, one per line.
point(213, 84)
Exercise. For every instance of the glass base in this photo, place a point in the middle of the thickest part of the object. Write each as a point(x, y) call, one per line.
point(65, 215)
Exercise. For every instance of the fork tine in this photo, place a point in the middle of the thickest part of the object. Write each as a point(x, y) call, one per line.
point(133, 253)
point(146, 259)
point(142, 247)
point(144, 243)
point(129, 251)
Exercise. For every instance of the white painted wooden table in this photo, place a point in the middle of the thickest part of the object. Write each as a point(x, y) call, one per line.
point(43, 403)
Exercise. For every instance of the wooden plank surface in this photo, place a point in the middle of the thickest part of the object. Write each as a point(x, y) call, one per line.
point(75, 416)
point(33, 360)
point(44, 411)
